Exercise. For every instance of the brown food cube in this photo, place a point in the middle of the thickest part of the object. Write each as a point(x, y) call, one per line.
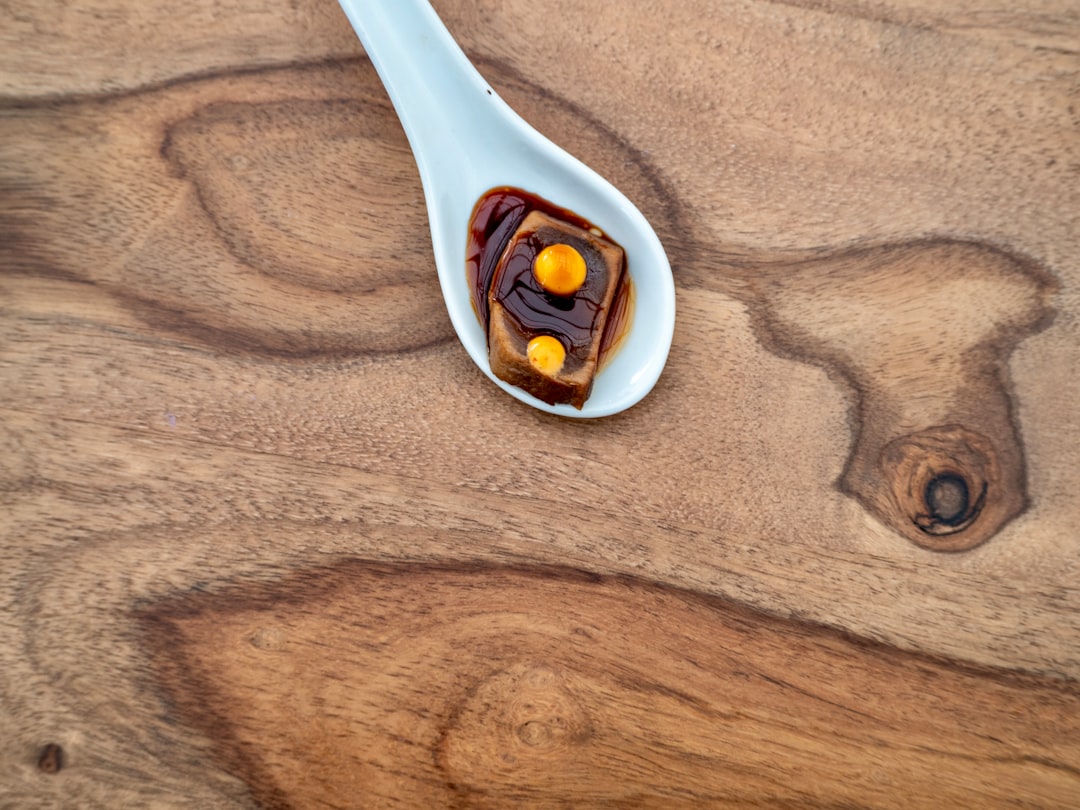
point(520, 309)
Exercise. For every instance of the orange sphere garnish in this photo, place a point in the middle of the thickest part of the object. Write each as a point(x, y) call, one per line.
point(546, 354)
point(559, 269)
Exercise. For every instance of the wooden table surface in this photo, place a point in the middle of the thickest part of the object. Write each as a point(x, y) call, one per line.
point(268, 538)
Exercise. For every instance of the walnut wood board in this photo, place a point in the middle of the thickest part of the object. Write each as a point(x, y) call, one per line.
point(268, 539)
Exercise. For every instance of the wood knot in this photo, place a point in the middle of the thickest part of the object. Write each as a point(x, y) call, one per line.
point(51, 758)
point(268, 638)
point(946, 487)
point(923, 331)
point(544, 713)
point(535, 733)
point(949, 504)
point(519, 722)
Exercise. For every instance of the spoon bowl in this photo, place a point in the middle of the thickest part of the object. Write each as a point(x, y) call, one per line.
point(466, 141)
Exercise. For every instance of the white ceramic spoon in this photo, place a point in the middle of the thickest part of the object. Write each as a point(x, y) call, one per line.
point(466, 141)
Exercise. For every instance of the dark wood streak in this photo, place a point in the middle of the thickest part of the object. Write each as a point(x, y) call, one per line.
point(941, 368)
point(70, 99)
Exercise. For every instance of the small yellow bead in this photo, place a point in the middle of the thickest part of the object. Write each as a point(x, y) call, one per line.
point(546, 354)
point(559, 269)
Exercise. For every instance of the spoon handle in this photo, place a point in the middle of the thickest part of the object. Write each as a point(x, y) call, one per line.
point(436, 91)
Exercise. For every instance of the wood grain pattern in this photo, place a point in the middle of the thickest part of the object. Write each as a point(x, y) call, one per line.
point(229, 391)
point(373, 685)
point(933, 402)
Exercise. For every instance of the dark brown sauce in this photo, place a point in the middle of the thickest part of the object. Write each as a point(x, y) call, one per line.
point(495, 219)
point(620, 318)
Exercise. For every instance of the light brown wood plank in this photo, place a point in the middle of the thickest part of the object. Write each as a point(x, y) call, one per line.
point(360, 685)
point(225, 368)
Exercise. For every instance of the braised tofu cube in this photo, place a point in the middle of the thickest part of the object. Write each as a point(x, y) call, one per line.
point(549, 301)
